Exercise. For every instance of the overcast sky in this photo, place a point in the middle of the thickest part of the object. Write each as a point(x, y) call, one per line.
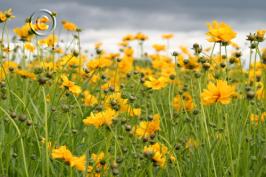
point(176, 15)
point(108, 20)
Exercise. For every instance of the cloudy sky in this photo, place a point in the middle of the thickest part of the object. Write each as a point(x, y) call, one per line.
point(109, 20)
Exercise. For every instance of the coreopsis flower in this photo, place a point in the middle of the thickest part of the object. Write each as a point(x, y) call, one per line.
point(123, 44)
point(220, 32)
point(260, 35)
point(29, 46)
point(158, 152)
point(184, 102)
point(116, 102)
point(134, 111)
point(128, 37)
point(260, 92)
point(25, 32)
point(219, 92)
point(147, 128)
point(99, 63)
point(191, 63)
point(168, 36)
point(62, 153)
point(71, 61)
point(70, 85)
point(9, 66)
point(254, 75)
point(156, 84)
point(69, 26)
point(97, 158)
point(89, 99)
point(129, 52)
point(101, 118)
point(98, 45)
point(49, 41)
point(5, 15)
point(256, 118)
point(125, 65)
point(141, 37)
point(184, 49)
point(78, 162)
point(2, 17)
point(159, 47)
point(26, 74)
point(263, 55)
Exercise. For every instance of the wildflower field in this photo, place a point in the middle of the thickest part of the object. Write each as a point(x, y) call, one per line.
point(195, 112)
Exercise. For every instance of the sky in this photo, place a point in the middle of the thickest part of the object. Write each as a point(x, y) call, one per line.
point(108, 20)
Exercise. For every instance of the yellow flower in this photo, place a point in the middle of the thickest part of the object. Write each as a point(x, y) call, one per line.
point(89, 99)
point(70, 85)
point(134, 111)
point(69, 26)
point(7, 14)
point(188, 102)
point(116, 102)
point(158, 153)
point(24, 32)
point(26, 74)
point(167, 36)
point(172, 158)
point(97, 157)
point(62, 153)
point(260, 93)
point(156, 84)
point(128, 37)
point(99, 63)
point(10, 66)
point(50, 40)
point(78, 162)
point(185, 102)
point(141, 37)
point(256, 119)
point(101, 118)
point(2, 17)
point(28, 46)
point(123, 43)
point(126, 65)
point(146, 128)
point(219, 92)
point(128, 52)
point(260, 34)
point(98, 45)
point(158, 47)
point(220, 32)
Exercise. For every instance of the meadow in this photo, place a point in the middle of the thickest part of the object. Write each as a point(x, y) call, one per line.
point(196, 112)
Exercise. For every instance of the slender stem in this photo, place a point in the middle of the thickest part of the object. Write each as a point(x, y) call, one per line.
point(21, 141)
point(207, 132)
point(46, 133)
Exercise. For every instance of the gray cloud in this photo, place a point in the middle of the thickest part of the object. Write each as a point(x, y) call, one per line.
point(171, 15)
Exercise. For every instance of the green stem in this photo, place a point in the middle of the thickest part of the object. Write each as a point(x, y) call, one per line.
point(21, 141)
point(46, 133)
